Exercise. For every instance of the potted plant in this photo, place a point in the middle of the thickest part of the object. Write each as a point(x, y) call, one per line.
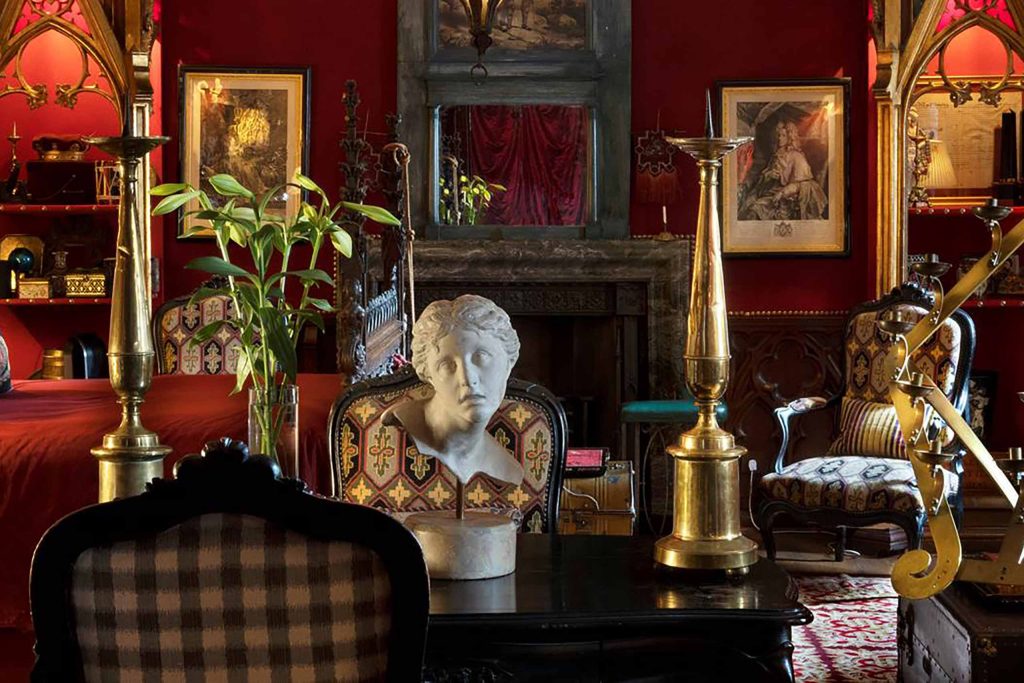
point(269, 315)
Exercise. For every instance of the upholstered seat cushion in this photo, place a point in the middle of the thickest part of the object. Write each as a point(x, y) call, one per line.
point(849, 483)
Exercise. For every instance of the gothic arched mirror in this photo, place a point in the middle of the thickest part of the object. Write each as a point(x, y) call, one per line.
point(950, 95)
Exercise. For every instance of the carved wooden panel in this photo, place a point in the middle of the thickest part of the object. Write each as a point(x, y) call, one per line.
point(777, 358)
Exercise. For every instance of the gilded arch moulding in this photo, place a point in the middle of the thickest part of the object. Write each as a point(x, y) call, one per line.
point(910, 38)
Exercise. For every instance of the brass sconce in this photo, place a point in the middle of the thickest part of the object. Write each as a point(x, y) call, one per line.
point(481, 15)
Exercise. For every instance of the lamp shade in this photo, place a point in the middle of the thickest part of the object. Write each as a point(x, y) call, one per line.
point(940, 171)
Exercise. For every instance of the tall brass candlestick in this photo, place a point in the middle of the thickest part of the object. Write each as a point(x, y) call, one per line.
point(131, 456)
point(706, 527)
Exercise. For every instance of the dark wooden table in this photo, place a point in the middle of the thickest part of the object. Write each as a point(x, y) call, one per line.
point(597, 608)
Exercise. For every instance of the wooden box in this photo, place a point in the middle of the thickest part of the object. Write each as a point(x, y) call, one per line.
point(34, 288)
point(85, 284)
point(599, 505)
point(956, 636)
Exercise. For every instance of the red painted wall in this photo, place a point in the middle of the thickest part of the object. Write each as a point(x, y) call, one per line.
point(678, 52)
point(676, 55)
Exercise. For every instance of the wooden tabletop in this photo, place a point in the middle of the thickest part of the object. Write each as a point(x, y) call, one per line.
point(576, 581)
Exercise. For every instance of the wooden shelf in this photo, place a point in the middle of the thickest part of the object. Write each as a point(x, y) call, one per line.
point(78, 301)
point(992, 303)
point(956, 211)
point(57, 209)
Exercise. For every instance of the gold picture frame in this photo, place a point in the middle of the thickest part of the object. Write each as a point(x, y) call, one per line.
point(252, 124)
point(786, 193)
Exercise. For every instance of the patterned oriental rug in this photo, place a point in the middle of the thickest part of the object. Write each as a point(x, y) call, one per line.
point(853, 635)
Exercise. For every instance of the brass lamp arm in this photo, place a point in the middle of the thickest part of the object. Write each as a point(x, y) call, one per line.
point(919, 574)
point(797, 408)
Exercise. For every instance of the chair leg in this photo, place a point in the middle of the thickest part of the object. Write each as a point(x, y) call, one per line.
point(915, 531)
point(767, 525)
point(840, 548)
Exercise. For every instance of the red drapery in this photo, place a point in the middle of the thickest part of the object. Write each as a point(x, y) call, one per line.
point(538, 152)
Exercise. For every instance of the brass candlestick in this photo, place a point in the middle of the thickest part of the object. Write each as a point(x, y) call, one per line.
point(706, 526)
point(131, 456)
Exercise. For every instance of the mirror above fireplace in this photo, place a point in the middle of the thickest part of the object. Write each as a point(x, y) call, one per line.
point(543, 136)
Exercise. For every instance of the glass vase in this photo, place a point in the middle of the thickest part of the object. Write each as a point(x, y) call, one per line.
point(274, 426)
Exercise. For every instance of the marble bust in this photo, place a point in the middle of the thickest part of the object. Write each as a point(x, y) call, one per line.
point(465, 350)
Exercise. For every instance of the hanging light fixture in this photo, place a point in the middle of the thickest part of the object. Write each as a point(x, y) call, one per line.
point(481, 15)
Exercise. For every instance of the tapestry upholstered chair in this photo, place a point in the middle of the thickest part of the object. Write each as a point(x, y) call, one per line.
point(865, 477)
point(228, 572)
point(375, 464)
point(177, 322)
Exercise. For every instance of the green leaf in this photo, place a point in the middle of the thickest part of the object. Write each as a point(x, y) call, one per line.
point(322, 304)
point(227, 186)
point(281, 346)
point(206, 331)
point(314, 274)
point(342, 242)
point(215, 265)
point(310, 316)
point(374, 213)
point(307, 184)
point(174, 202)
point(168, 188)
point(242, 372)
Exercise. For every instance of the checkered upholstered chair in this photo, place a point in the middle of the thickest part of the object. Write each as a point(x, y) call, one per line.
point(177, 322)
point(226, 573)
point(865, 477)
point(376, 464)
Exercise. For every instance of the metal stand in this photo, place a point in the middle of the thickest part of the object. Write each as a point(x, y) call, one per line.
point(706, 515)
point(130, 456)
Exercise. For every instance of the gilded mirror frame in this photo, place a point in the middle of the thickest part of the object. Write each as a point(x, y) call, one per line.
point(906, 40)
point(598, 77)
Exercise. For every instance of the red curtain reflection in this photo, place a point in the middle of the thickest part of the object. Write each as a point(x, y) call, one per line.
point(538, 152)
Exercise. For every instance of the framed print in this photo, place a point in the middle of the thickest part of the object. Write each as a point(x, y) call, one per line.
point(787, 192)
point(252, 124)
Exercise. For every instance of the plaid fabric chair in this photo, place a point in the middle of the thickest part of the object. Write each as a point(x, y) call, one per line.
point(865, 477)
point(228, 573)
point(177, 322)
point(376, 464)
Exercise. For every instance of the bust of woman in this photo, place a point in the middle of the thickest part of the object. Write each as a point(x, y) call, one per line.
point(465, 350)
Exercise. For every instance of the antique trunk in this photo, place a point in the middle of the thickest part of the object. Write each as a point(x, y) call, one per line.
point(957, 636)
point(599, 505)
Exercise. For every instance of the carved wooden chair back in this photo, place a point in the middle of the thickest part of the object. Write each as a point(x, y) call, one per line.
point(228, 571)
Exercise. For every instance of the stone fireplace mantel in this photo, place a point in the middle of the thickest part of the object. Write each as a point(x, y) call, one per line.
point(638, 277)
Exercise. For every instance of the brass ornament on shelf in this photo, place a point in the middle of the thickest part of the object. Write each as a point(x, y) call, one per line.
point(918, 573)
point(705, 521)
point(131, 455)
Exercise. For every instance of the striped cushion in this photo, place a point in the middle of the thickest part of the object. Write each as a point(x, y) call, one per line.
point(867, 428)
point(226, 597)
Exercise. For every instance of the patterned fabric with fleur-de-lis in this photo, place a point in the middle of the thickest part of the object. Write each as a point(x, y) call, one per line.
point(867, 347)
point(373, 474)
point(176, 325)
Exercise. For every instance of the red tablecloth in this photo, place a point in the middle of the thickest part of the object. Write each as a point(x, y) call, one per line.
point(48, 427)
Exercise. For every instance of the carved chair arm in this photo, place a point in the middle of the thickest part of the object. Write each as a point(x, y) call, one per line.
point(797, 407)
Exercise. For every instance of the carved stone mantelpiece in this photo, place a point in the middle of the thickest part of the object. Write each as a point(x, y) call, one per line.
point(573, 277)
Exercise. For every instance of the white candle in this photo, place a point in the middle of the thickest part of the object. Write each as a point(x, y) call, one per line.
point(14, 130)
point(664, 215)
